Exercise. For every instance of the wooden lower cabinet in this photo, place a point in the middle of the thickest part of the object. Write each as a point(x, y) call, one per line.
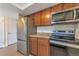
point(33, 45)
point(39, 46)
point(43, 47)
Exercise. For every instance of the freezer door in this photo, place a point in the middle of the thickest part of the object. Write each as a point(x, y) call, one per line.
point(22, 47)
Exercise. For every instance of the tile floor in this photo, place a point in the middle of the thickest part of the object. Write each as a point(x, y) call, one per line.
point(10, 51)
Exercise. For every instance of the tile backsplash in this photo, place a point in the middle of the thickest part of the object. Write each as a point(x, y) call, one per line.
point(49, 29)
point(63, 27)
point(44, 29)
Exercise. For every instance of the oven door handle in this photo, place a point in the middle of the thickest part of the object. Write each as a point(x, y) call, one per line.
point(57, 45)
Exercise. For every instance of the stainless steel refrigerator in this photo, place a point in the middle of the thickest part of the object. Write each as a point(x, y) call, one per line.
point(25, 27)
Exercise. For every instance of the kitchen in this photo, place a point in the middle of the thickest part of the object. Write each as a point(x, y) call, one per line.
point(53, 31)
point(39, 29)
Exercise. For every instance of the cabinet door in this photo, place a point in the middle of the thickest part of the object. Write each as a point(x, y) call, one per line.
point(37, 19)
point(43, 47)
point(46, 20)
point(76, 4)
point(58, 7)
point(69, 5)
point(33, 46)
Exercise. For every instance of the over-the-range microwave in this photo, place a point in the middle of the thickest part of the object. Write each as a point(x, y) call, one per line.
point(69, 15)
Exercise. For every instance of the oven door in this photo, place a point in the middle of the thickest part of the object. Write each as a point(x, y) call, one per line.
point(58, 50)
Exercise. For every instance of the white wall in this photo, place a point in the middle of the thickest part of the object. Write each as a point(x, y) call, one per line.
point(1, 32)
point(12, 13)
point(8, 10)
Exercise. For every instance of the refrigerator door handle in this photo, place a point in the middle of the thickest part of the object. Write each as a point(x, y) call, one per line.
point(21, 40)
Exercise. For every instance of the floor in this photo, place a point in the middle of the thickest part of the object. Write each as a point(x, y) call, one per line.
point(10, 51)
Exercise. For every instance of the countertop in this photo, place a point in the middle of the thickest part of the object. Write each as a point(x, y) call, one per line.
point(41, 35)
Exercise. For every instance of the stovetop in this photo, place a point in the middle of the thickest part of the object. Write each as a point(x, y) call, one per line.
point(62, 35)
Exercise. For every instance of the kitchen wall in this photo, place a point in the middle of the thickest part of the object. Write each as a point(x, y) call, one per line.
point(12, 13)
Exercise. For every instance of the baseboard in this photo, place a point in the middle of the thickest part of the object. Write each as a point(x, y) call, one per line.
point(12, 44)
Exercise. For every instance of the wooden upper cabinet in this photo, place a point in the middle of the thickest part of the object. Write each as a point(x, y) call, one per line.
point(42, 17)
point(46, 19)
point(58, 7)
point(37, 19)
point(69, 5)
point(76, 4)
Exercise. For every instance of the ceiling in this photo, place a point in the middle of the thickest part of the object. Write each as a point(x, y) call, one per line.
point(22, 6)
point(29, 8)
